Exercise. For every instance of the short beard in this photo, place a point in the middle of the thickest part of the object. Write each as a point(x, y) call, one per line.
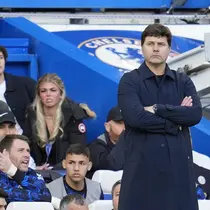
point(1, 138)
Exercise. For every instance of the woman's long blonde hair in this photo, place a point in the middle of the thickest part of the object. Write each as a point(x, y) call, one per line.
point(38, 108)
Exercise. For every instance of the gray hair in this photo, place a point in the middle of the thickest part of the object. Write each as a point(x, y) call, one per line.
point(74, 198)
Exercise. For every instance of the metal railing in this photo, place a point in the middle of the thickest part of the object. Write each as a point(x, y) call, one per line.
point(103, 16)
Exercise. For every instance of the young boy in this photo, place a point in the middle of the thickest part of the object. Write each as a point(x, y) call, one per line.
point(76, 163)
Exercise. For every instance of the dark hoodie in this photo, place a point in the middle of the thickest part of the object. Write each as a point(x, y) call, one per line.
point(106, 155)
point(74, 131)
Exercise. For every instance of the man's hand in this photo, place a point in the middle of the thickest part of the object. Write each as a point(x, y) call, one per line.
point(5, 162)
point(187, 101)
point(149, 109)
point(44, 167)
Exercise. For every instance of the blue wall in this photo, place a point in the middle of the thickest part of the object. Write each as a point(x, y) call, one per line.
point(85, 77)
point(125, 4)
point(201, 137)
point(19, 61)
point(22, 65)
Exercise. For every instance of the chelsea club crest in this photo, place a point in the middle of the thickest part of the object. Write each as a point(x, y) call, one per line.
point(121, 52)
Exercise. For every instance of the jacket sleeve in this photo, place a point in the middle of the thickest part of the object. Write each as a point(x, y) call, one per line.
point(134, 114)
point(76, 132)
point(182, 115)
point(116, 158)
point(31, 188)
point(99, 155)
point(109, 160)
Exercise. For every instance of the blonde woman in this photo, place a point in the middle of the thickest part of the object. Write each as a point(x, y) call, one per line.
point(53, 122)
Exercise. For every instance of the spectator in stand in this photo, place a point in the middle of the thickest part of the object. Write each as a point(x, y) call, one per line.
point(7, 121)
point(18, 181)
point(73, 202)
point(7, 126)
point(116, 194)
point(3, 197)
point(13, 88)
point(107, 151)
point(54, 122)
point(76, 163)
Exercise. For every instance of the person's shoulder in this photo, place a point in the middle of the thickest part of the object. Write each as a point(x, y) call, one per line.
point(131, 73)
point(56, 182)
point(79, 111)
point(69, 106)
point(31, 172)
point(181, 76)
point(92, 182)
point(36, 175)
point(99, 141)
point(130, 76)
point(20, 79)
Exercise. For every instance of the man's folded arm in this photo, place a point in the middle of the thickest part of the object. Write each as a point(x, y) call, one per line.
point(183, 115)
point(134, 113)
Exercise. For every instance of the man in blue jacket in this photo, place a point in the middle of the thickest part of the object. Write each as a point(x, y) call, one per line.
point(158, 105)
point(18, 181)
point(7, 126)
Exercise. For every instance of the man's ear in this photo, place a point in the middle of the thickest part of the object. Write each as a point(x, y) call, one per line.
point(64, 163)
point(90, 165)
point(5, 152)
point(107, 126)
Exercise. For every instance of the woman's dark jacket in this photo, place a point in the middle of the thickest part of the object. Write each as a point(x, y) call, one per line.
point(74, 132)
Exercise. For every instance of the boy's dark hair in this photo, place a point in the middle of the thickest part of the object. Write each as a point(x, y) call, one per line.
point(73, 198)
point(4, 52)
point(156, 30)
point(78, 149)
point(7, 141)
point(2, 193)
point(115, 185)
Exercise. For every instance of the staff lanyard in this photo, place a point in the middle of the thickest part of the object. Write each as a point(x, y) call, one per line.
point(48, 149)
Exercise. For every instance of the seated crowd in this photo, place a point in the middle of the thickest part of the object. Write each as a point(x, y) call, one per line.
point(43, 132)
point(19, 182)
